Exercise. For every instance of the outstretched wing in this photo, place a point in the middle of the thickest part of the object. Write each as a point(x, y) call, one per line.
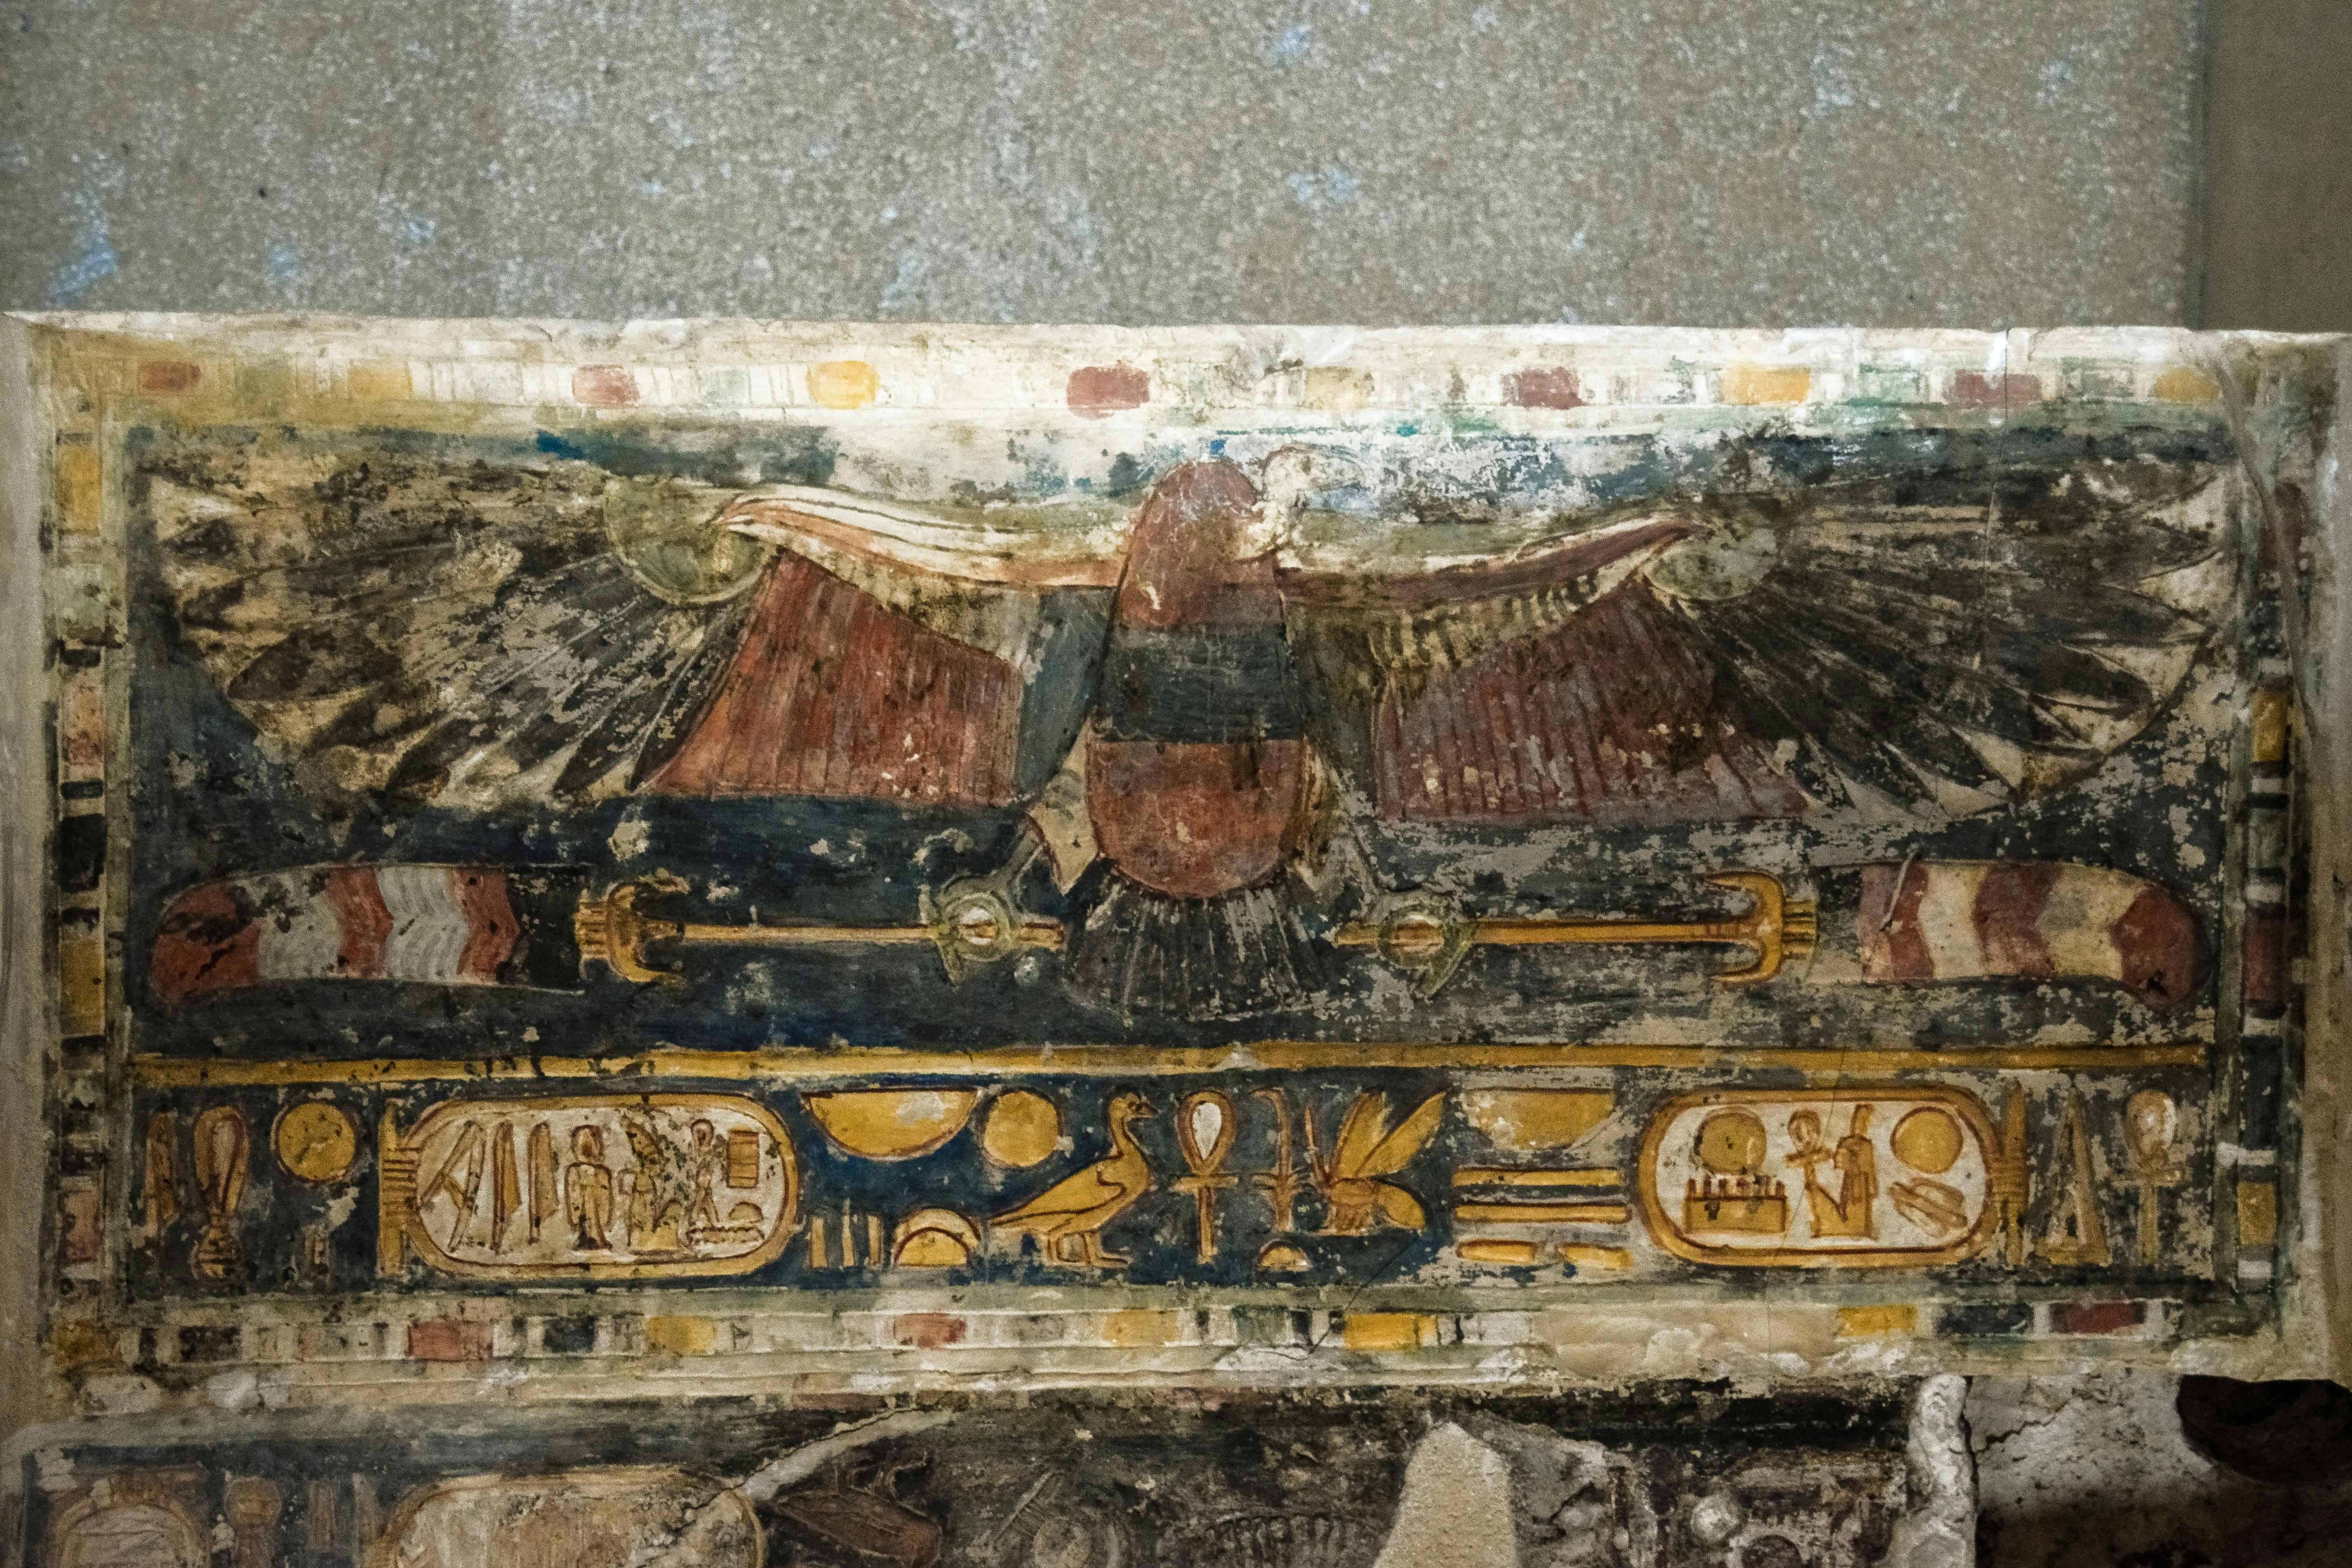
point(452, 631)
point(907, 653)
point(1942, 642)
point(466, 633)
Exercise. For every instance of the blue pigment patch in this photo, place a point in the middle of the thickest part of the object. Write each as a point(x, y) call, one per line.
point(96, 261)
point(1334, 184)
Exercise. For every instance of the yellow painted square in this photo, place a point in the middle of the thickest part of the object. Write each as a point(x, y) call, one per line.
point(1338, 388)
point(381, 380)
point(2273, 713)
point(2186, 384)
point(2257, 1214)
point(81, 985)
point(1388, 1330)
point(1753, 383)
point(843, 384)
point(1143, 1329)
point(80, 489)
point(79, 1344)
point(681, 1336)
point(1875, 1323)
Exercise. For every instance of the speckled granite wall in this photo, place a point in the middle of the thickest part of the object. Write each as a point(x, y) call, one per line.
point(1694, 163)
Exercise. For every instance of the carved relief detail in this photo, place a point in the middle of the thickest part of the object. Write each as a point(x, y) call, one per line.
point(1852, 1178)
point(635, 1186)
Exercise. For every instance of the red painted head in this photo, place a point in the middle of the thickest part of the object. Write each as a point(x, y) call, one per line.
point(1196, 766)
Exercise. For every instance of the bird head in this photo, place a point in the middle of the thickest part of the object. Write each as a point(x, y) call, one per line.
point(1131, 1107)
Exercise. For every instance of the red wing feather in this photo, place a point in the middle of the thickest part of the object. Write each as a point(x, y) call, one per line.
point(833, 693)
point(1608, 717)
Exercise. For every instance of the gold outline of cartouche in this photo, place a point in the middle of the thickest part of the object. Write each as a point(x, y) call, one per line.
point(396, 1209)
point(1671, 1236)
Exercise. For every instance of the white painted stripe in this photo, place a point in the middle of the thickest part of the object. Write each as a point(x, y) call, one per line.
point(2232, 1154)
point(2084, 904)
point(311, 938)
point(428, 923)
point(2254, 1267)
point(488, 381)
point(1948, 918)
point(545, 383)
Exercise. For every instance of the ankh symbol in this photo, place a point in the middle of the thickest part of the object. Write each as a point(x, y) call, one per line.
point(1205, 1125)
point(2149, 1125)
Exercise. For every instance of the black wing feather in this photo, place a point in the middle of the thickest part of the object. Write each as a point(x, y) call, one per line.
point(442, 627)
point(1884, 645)
point(1982, 630)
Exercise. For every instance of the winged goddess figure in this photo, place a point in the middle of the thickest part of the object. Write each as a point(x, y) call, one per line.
point(1204, 689)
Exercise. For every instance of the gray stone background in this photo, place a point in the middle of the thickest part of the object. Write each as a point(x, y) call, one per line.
point(1966, 162)
point(1888, 162)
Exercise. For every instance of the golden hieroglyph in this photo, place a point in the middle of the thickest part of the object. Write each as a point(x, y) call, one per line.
point(1022, 1128)
point(892, 1123)
point(1067, 1217)
point(639, 1186)
point(1820, 1178)
point(316, 1140)
point(1532, 1120)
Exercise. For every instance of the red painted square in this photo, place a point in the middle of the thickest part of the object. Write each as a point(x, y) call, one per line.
point(449, 1338)
point(928, 1330)
point(82, 1234)
point(1974, 389)
point(2097, 1317)
point(605, 385)
point(1099, 391)
point(168, 377)
point(2263, 967)
point(1550, 387)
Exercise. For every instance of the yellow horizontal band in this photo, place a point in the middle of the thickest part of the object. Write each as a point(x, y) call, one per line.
point(823, 1065)
point(1539, 1214)
point(1488, 1250)
point(1537, 1177)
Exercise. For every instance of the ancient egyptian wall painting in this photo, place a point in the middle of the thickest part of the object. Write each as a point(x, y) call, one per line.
point(1268, 851)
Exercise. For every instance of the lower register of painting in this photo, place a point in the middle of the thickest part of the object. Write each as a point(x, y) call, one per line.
point(1062, 1481)
point(852, 859)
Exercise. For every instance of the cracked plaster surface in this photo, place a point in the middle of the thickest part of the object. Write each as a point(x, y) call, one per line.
point(2094, 1471)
